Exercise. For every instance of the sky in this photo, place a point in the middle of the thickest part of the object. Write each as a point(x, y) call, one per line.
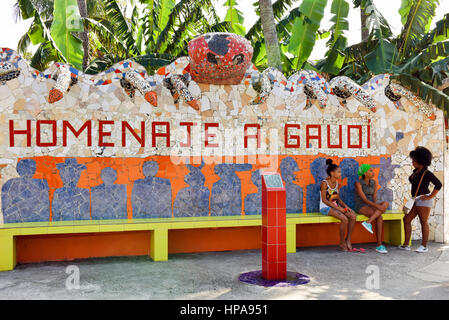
point(12, 31)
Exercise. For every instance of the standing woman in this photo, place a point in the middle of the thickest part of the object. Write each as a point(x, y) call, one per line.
point(421, 159)
point(332, 205)
point(366, 203)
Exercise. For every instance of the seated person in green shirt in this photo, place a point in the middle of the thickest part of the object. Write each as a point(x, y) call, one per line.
point(366, 203)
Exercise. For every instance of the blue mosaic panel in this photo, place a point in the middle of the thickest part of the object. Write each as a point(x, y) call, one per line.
point(193, 200)
point(25, 199)
point(349, 169)
point(226, 199)
point(71, 202)
point(318, 169)
point(386, 174)
point(294, 194)
point(151, 196)
point(109, 199)
point(253, 201)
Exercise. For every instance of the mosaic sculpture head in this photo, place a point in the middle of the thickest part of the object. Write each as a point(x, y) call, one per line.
point(318, 169)
point(109, 176)
point(219, 58)
point(288, 168)
point(349, 168)
point(195, 176)
point(70, 171)
point(150, 168)
point(256, 178)
point(26, 168)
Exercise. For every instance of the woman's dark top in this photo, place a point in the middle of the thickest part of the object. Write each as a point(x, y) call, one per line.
point(428, 177)
point(368, 189)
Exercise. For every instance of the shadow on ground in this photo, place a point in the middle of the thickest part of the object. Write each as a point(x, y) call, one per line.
point(214, 275)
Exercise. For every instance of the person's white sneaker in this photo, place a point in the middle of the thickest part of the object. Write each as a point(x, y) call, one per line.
point(402, 247)
point(422, 249)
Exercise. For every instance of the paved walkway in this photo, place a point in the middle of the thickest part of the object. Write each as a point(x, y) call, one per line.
point(334, 275)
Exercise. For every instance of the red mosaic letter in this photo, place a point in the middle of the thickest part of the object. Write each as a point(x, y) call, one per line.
point(141, 139)
point(340, 131)
point(294, 137)
point(355, 146)
point(66, 125)
point(13, 132)
point(189, 134)
point(165, 134)
point(208, 135)
point(310, 137)
point(102, 134)
point(39, 143)
point(257, 136)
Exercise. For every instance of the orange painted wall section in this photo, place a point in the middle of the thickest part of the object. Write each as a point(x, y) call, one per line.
point(308, 235)
point(84, 245)
point(130, 169)
point(137, 243)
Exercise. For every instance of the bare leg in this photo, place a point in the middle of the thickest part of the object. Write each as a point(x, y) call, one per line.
point(370, 212)
point(352, 218)
point(408, 218)
point(379, 226)
point(423, 213)
point(343, 225)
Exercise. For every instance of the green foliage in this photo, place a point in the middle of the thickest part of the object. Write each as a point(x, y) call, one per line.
point(338, 40)
point(304, 29)
point(234, 17)
point(66, 19)
point(416, 16)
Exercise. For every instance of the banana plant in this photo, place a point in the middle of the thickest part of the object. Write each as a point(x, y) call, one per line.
point(417, 58)
point(304, 31)
point(338, 40)
point(66, 21)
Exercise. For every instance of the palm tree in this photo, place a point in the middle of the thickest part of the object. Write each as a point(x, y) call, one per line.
point(270, 34)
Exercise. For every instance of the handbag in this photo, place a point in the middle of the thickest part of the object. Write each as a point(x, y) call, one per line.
point(409, 204)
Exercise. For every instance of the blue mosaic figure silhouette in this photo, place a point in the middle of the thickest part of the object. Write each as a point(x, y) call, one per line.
point(386, 174)
point(194, 200)
point(349, 169)
point(294, 196)
point(318, 169)
point(253, 201)
point(151, 196)
point(71, 202)
point(25, 199)
point(226, 198)
point(109, 199)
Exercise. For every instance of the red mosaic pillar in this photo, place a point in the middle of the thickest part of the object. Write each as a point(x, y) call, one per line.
point(274, 241)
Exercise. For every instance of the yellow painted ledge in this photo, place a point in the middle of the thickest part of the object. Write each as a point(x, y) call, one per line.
point(159, 227)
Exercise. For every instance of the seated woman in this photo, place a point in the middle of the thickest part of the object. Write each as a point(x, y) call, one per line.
point(332, 205)
point(366, 203)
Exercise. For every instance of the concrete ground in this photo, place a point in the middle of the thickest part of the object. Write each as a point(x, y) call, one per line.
point(334, 275)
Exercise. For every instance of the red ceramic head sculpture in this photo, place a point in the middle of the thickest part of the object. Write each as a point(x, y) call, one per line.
point(219, 58)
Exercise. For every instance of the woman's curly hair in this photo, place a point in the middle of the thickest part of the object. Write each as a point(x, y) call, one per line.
point(422, 155)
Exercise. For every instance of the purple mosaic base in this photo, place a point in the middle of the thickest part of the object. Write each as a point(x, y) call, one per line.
point(255, 277)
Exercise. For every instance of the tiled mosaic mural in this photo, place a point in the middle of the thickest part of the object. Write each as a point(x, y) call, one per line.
point(103, 143)
point(122, 188)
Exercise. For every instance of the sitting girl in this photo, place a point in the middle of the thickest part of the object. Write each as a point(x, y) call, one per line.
point(366, 203)
point(332, 205)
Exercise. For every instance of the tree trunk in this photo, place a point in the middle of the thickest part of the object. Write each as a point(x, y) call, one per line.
point(270, 34)
point(364, 27)
point(83, 35)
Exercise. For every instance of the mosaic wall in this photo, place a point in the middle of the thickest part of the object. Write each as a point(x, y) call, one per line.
point(124, 144)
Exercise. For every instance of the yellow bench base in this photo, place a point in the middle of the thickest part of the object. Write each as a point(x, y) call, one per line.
point(393, 230)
